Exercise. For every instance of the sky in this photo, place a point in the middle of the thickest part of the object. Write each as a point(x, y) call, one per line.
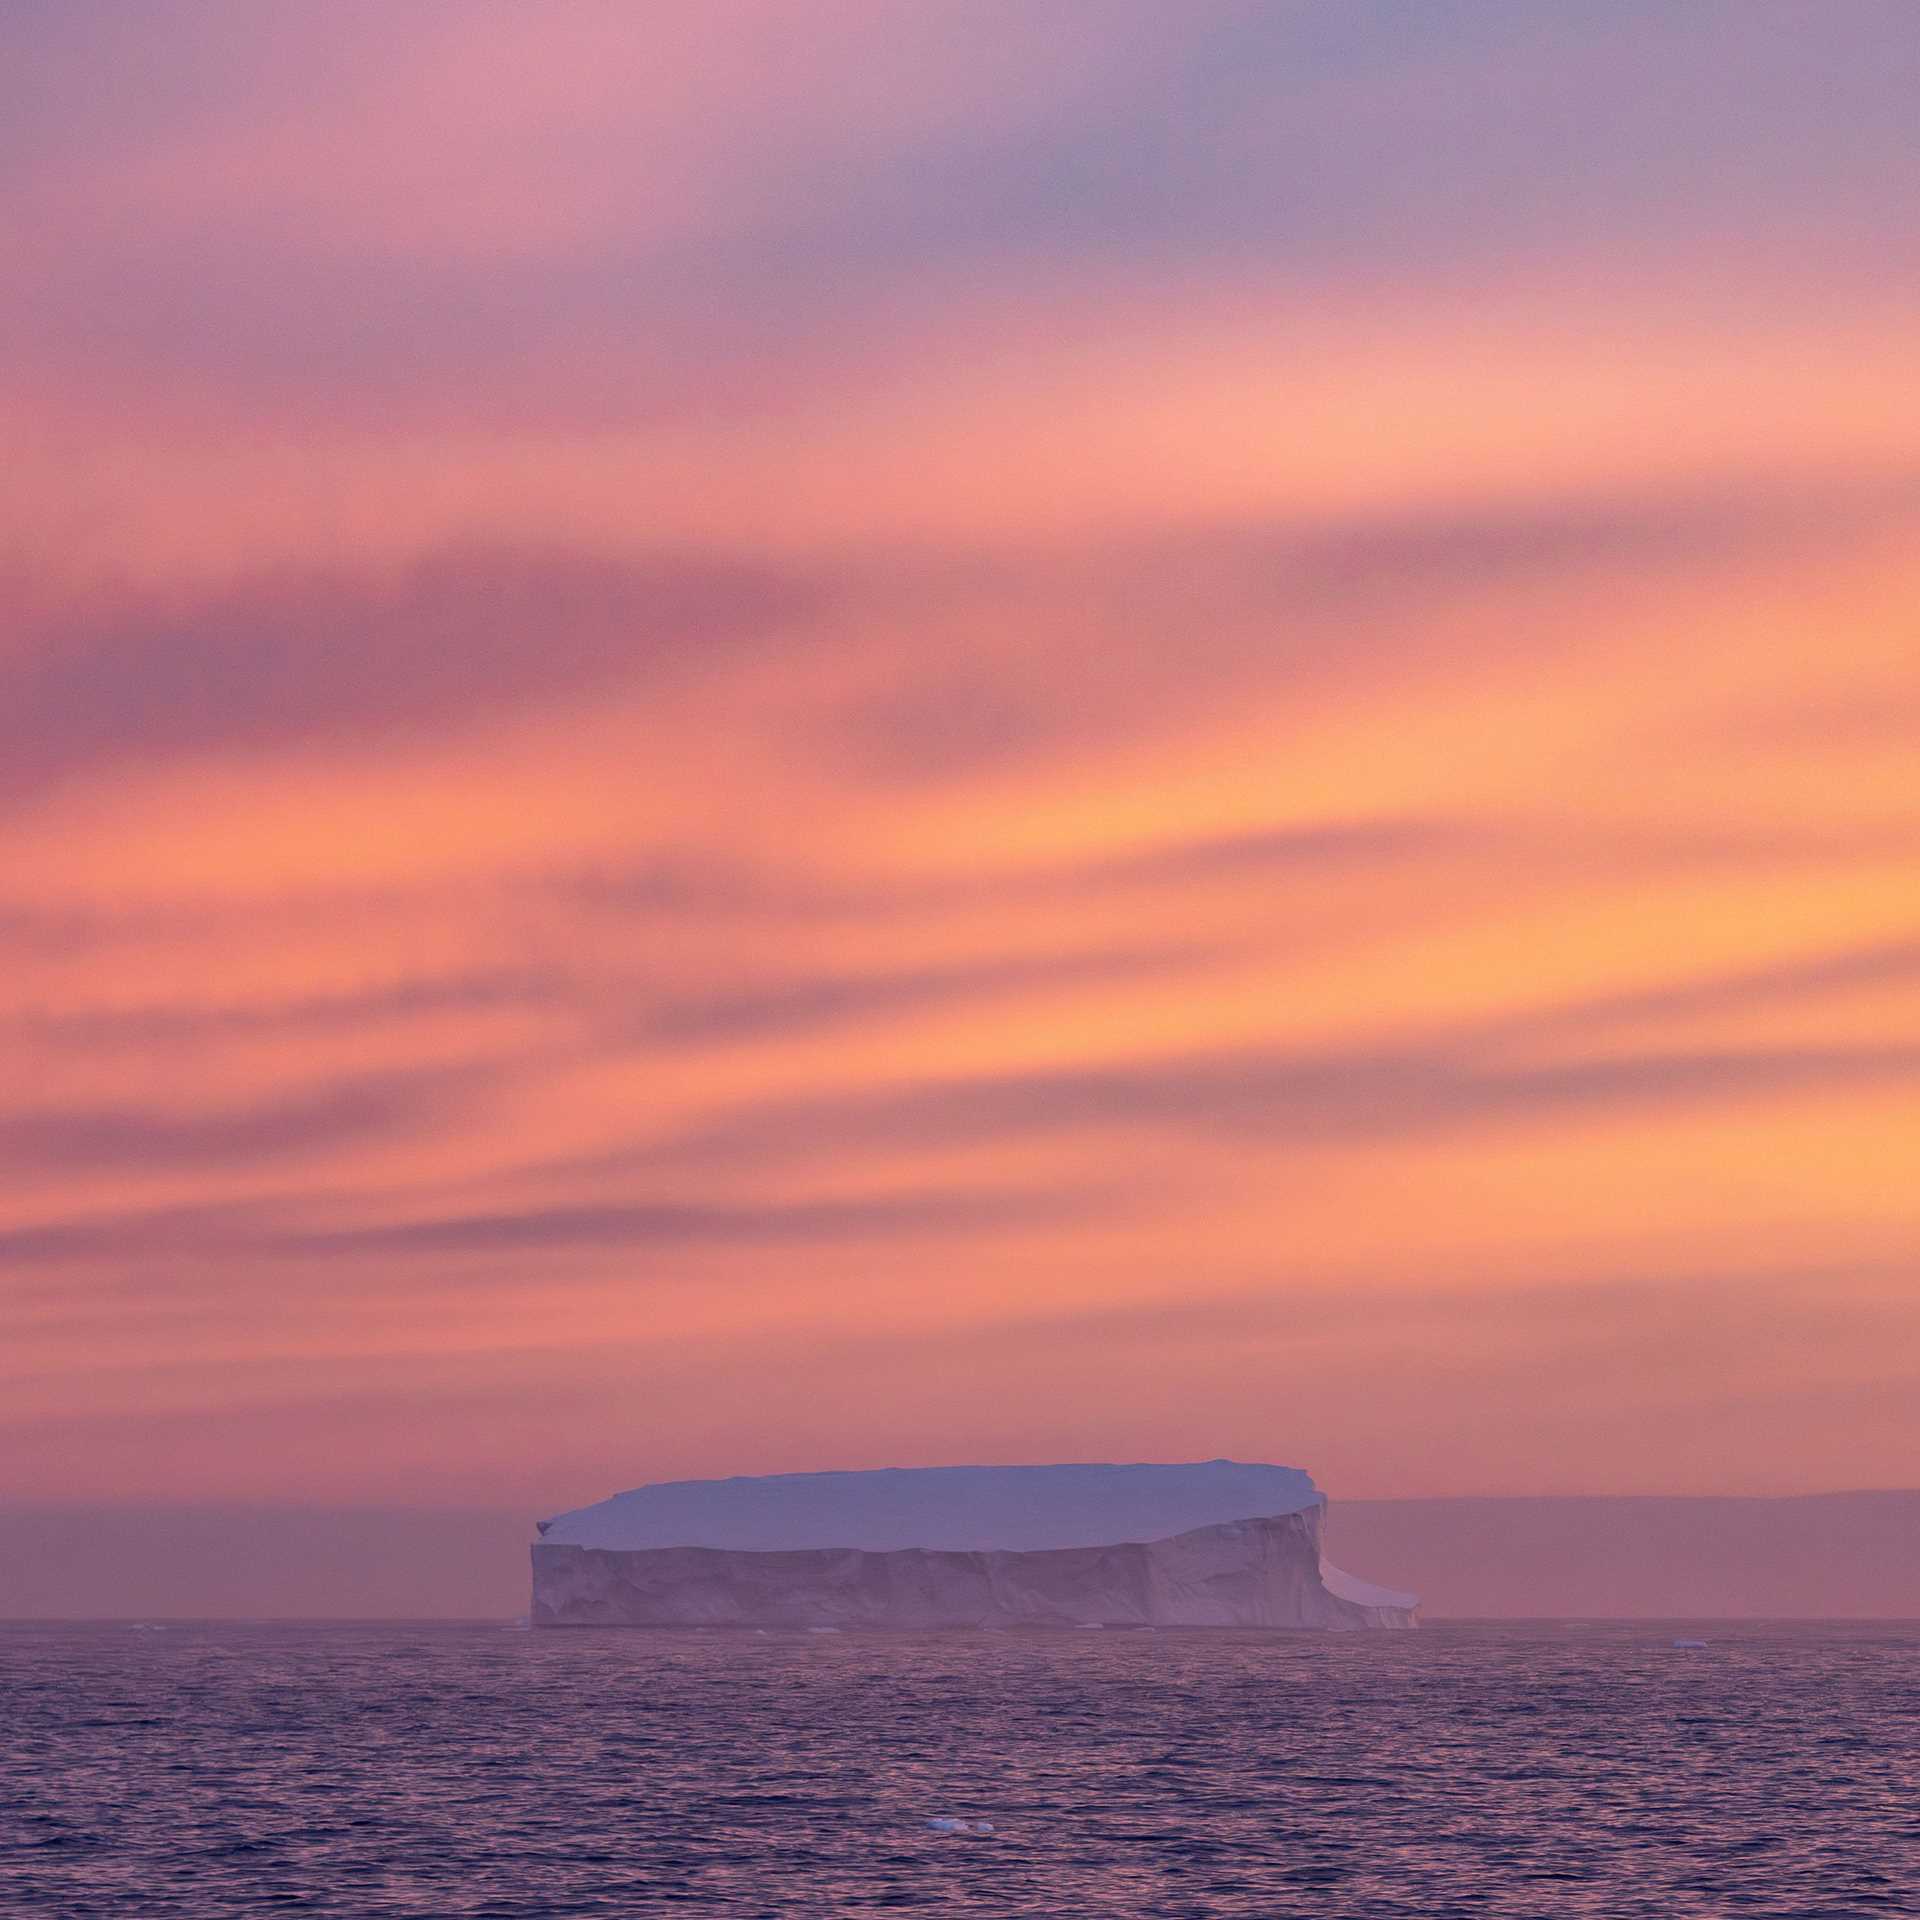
point(748, 737)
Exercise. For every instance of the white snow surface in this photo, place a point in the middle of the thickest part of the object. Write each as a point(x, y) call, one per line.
point(949, 1509)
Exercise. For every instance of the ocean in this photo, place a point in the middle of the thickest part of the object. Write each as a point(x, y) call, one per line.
point(456, 1771)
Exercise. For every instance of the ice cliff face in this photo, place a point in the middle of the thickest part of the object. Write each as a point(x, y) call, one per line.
point(1213, 1545)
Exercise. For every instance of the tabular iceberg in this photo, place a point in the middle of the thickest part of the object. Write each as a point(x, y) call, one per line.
point(1214, 1544)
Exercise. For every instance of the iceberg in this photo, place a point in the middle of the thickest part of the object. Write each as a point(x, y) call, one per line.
point(1217, 1543)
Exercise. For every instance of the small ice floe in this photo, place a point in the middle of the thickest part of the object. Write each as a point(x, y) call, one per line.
point(823, 1629)
point(518, 1624)
point(945, 1823)
point(1690, 1645)
point(145, 1626)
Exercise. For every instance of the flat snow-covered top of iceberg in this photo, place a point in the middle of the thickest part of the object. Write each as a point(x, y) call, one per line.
point(956, 1509)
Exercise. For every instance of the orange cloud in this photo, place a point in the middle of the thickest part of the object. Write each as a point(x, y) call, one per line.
point(726, 750)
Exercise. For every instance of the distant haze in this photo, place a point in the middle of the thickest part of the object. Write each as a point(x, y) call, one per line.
point(1849, 1555)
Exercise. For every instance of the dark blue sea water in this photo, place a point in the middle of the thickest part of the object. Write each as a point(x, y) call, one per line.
point(464, 1771)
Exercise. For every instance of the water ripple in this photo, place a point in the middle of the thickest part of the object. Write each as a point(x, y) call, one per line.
point(460, 1772)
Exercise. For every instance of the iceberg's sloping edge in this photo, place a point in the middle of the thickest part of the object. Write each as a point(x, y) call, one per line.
point(1363, 1593)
